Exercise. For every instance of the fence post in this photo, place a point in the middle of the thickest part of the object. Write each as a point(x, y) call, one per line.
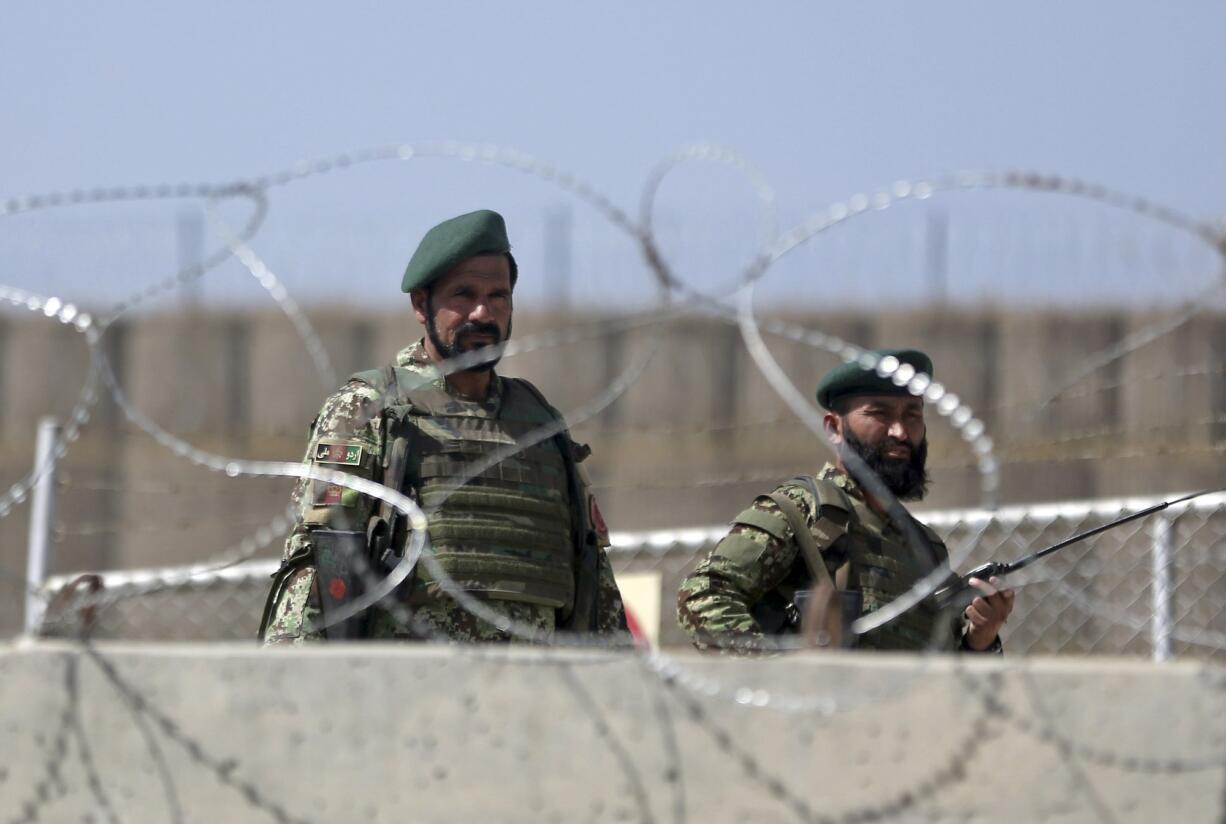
point(1162, 532)
point(42, 515)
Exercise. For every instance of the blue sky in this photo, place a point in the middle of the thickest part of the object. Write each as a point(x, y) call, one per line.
point(826, 99)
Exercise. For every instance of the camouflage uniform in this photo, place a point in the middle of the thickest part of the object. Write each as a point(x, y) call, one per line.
point(759, 561)
point(351, 418)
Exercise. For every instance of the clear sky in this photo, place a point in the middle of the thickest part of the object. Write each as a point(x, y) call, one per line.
point(827, 99)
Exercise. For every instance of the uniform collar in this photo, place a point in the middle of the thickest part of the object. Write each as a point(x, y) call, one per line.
point(832, 473)
point(415, 358)
point(841, 479)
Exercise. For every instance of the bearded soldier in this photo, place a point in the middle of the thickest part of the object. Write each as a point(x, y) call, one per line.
point(831, 532)
point(511, 519)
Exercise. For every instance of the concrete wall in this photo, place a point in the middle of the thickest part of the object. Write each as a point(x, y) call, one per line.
point(370, 733)
point(697, 435)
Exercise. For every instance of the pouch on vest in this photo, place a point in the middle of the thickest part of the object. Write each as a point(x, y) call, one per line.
point(851, 603)
point(339, 580)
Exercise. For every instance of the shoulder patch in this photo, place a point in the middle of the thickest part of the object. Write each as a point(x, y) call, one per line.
point(343, 453)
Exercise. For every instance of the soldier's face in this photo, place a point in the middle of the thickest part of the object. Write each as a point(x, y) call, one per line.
point(889, 434)
point(467, 309)
point(894, 421)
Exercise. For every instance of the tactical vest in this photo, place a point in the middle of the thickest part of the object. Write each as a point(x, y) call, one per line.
point(502, 519)
point(880, 568)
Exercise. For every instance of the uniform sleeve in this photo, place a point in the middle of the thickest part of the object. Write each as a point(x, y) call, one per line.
point(296, 611)
point(346, 437)
point(714, 603)
point(610, 611)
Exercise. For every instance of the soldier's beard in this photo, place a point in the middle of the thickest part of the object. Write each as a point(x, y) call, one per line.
point(906, 478)
point(449, 350)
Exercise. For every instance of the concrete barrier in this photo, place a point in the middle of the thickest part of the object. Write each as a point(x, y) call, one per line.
point(395, 733)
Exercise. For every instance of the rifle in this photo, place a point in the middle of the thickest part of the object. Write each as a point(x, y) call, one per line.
point(960, 593)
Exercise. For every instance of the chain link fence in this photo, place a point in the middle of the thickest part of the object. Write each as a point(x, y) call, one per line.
point(1153, 587)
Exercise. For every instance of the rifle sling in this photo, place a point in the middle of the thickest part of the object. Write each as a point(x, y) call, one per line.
point(804, 539)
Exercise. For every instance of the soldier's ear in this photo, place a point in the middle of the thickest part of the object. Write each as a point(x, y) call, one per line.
point(834, 427)
point(421, 304)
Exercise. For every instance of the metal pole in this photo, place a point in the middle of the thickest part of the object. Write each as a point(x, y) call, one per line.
point(1162, 589)
point(937, 256)
point(42, 514)
point(559, 241)
point(189, 236)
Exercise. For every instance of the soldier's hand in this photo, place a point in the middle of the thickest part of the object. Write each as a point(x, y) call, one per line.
point(988, 612)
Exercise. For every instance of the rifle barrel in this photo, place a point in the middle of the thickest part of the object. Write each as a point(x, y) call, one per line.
point(1090, 533)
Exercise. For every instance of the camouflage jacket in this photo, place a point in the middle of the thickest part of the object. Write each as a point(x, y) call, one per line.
point(757, 563)
point(353, 415)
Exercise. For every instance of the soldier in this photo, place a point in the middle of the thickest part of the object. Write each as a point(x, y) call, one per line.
point(524, 535)
point(830, 532)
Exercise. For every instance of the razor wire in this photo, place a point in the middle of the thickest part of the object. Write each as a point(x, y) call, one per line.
point(949, 524)
point(1199, 552)
point(856, 205)
point(947, 404)
point(953, 525)
point(237, 246)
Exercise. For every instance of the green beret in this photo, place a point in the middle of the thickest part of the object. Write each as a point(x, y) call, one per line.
point(853, 379)
point(477, 233)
